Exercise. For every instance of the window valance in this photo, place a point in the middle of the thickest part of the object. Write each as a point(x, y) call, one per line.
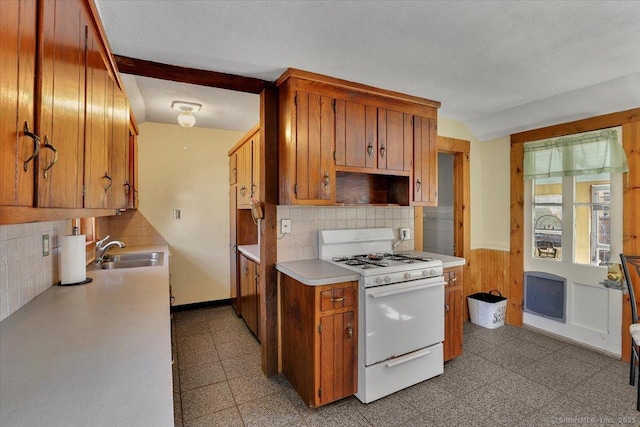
point(586, 154)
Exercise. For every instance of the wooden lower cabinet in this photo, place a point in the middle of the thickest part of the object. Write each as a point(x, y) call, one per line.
point(319, 331)
point(249, 294)
point(453, 312)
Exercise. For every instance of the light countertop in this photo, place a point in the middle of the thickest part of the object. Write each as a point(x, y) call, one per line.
point(97, 354)
point(251, 251)
point(447, 260)
point(314, 272)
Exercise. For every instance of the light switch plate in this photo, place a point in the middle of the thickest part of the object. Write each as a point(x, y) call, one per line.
point(176, 214)
point(285, 226)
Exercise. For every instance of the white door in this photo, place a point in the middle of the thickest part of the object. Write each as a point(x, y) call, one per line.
point(402, 318)
point(574, 229)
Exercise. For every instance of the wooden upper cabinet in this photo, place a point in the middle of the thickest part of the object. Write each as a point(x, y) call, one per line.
point(119, 159)
point(233, 168)
point(395, 141)
point(425, 161)
point(345, 143)
point(59, 173)
point(98, 132)
point(356, 135)
point(254, 189)
point(244, 168)
point(314, 142)
point(17, 89)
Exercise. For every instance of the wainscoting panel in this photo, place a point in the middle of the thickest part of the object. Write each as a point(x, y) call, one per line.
point(488, 269)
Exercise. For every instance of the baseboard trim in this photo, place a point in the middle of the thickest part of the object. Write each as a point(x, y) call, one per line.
point(200, 305)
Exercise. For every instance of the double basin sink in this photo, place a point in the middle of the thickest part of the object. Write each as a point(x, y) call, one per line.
point(132, 259)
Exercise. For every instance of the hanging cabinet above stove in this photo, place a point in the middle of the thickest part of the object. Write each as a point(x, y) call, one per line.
point(344, 143)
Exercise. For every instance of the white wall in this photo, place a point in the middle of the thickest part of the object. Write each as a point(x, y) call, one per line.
point(196, 181)
point(490, 186)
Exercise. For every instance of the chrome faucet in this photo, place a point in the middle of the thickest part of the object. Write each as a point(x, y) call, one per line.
point(101, 250)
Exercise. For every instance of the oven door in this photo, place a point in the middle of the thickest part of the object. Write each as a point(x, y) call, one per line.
point(402, 318)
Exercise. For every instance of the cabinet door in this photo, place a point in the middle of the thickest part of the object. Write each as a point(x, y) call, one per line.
point(233, 168)
point(395, 140)
point(17, 85)
point(338, 372)
point(119, 151)
point(356, 135)
point(315, 139)
point(98, 182)
point(453, 319)
point(425, 162)
point(244, 175)
point(133, 165)
point(249, 293)
point(61, 109)
point(255, 166)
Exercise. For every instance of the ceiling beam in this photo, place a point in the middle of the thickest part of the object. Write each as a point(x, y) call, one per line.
point(141, 67)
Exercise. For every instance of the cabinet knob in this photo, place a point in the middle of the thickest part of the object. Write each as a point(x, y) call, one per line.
point(350, 330)
point(326, 180)
point(382, 151)
point(446, 308)
point(369, 150)
point(337, 299)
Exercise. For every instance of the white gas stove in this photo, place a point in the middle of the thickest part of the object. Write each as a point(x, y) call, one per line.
point(400, 309)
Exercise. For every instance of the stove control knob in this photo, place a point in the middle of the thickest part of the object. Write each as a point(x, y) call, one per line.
point(387, 279)
point(379, 280)
point(407, 276)
point(432, 272)
point(425, 273)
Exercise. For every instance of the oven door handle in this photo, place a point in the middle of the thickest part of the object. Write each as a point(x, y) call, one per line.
point(383, 293)
point(408, 358)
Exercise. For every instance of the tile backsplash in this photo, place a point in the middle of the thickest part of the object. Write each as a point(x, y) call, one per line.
point(133, 228)
point(302, 242)
point(24, 272)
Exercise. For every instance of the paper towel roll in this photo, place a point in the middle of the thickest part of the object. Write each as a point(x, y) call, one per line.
point(73, 260)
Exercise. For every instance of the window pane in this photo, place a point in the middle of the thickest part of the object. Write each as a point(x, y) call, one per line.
point(547, 229)
point(592, 218)
point(547, 190)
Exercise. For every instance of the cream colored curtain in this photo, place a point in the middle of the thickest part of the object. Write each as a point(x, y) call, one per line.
point(587, 154)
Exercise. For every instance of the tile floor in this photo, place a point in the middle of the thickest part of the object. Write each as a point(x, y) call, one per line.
point(506, 377)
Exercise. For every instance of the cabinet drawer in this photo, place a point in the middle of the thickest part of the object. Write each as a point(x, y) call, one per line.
point(336, 298)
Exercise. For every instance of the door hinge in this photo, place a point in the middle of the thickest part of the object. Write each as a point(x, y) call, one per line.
point(86, 37)
point(334, 155)
point(333, 104)
point(295, 100)
point(84, 191)
point(320, 328)
point(295, 188)
point(319, 392)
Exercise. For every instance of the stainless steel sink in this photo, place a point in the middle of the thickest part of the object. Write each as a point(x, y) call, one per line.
point(134, 256)
point(110, 265)
point(132, 260)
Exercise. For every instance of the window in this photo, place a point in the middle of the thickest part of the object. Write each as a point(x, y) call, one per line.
point(571, 196)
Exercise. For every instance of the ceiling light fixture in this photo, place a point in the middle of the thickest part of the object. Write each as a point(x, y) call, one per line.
point(186, 118)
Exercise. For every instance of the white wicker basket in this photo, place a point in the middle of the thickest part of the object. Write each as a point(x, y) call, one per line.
point(487, 310)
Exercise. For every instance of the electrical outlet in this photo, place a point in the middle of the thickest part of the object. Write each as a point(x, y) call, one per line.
point(405, 233)
point(285, 226)
point(45, 245)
